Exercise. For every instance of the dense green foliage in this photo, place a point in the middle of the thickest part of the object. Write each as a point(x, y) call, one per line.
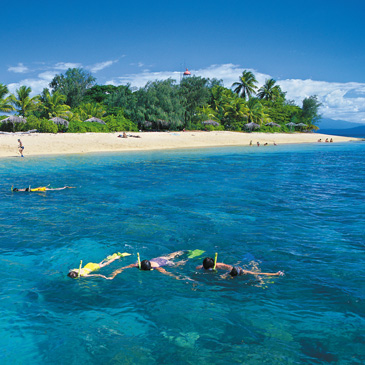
point(5, 102)
point(159, 105)
point(73, 84)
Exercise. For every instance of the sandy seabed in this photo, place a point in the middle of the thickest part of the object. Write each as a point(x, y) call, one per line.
point(71, 143)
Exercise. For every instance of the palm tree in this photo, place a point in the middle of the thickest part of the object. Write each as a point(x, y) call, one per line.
point(54, 105)
point(246, 86)
point(256, 112)
point(270, 91)
point(267, 90)
point(205, 113)
point(23, 103)
point(89, 110)
point(235, 113)
point(5, 102)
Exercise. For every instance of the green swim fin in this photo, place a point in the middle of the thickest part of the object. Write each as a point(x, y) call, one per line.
point(194, 253)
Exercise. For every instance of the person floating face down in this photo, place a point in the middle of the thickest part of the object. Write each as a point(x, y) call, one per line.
point(157, 264)
point(208, 264)
point(41, 188)
point(91, 266)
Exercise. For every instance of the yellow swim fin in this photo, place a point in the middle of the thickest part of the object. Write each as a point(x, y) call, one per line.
point(124, 254)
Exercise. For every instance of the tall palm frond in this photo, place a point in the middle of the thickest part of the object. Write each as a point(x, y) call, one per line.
point(246, 86)
point(267, 91)
point(22, 102)
point(256, 112)
point(54, 105)
point(5, 102)
point(90, 110)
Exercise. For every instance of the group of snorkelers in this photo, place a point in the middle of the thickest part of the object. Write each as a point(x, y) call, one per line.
point(159, 263)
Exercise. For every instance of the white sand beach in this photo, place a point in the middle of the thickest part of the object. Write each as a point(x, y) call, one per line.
point(69, 143)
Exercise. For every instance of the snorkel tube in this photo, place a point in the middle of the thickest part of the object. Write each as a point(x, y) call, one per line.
point(215, 260)
point(139, 261)
point(79, 273)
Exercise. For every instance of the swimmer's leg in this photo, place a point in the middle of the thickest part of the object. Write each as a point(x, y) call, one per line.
point(182, 262)
point(174, 254)
point(109, 260)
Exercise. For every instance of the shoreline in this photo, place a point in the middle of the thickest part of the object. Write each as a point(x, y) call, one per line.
point(81, 143)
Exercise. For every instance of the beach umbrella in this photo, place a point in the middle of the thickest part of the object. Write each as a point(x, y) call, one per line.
point(272, 124)
point(291, 124)
point(60, 121)
point(302, 125)
point(163, 123)
point(95, 120)
point(251, 126)
point(14, 119)
point(146, 124)
point(210, 122)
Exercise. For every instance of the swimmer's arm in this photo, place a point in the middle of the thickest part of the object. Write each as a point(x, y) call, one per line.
point(163, 271)
point(63, 188)
point(118, 271)
point(218, 266)
point(223, 266)
point(279, 273)
point(102, 276)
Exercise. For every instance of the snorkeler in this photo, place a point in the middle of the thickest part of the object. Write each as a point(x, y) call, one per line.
point(154, 264)
point(212, 264)
point(90, 267)
point(42, 188)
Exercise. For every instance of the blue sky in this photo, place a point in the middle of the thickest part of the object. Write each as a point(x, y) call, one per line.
point(309, 47)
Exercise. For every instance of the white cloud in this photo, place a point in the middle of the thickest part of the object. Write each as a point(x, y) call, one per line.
point(138, 64)
point(37, 85)
point(340, 100)
point(101, 65)
point(18, 69)
point(66, 65)
point(47, 75)
point(140, 79)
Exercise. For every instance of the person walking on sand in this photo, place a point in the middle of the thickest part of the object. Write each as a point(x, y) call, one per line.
point(21, 148)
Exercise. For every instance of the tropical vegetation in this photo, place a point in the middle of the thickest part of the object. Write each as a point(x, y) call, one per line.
point(194, 103)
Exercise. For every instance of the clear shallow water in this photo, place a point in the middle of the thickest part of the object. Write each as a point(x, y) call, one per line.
point(294, 208)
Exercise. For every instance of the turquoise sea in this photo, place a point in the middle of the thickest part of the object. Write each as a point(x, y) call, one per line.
point(295, 208)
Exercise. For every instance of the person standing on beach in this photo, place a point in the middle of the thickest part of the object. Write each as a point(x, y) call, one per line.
point(21, 148)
